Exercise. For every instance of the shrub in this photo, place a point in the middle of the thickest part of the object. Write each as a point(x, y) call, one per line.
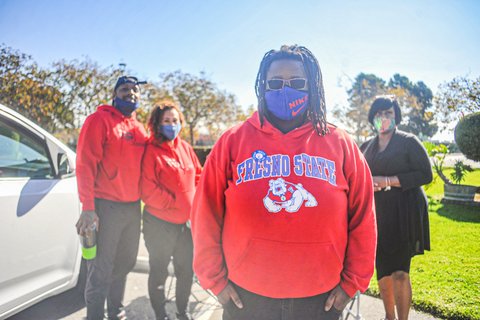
point(459, 171)
point(437, 152)
point(467, 134)
point(202, 153)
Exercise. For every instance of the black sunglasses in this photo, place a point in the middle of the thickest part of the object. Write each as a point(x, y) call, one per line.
point(295, 83)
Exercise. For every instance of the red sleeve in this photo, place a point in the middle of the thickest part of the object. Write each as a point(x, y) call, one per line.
point(362, 233)
point(207, 220)
point(152, 191)
point(196, 164)
point(89, 154)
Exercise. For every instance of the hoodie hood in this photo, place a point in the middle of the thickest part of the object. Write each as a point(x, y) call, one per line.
point(164, 144)
point(115, 111)
point(269, 129)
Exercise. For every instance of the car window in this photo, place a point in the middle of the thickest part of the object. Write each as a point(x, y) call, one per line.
point(22, 154)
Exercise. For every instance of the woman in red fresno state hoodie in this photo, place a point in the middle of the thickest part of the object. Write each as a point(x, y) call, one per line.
point(170, 173)
point(283, 219)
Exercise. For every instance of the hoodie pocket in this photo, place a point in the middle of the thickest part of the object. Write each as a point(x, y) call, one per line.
point(110, 172)
point(274, 264)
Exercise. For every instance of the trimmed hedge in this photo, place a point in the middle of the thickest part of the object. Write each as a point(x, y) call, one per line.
point(467, 135)
point(202, 153)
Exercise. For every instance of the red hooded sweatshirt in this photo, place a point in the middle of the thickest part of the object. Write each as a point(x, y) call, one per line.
point(284, 215)
point(109, 155)
point(170, 174)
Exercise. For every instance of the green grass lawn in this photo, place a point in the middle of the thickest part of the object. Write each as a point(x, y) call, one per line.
point(446, 280)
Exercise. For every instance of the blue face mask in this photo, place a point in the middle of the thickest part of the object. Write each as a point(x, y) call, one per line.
point(286, 103)
point(125, 107)
point(170, 131)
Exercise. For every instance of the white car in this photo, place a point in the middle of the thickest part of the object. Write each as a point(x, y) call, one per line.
point(39, 206)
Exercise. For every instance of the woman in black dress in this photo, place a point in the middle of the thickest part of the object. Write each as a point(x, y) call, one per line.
point(400, 166)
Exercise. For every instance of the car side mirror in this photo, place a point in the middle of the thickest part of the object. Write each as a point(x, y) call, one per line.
point(63, 165)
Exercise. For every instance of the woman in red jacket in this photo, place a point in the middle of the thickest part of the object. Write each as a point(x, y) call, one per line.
point(170, 172)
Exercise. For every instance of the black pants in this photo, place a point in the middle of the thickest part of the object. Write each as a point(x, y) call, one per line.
point(163, 241)
point(117, 247)
point(256, 307)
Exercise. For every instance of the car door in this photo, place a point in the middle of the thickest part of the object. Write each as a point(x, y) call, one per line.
point(38, 209)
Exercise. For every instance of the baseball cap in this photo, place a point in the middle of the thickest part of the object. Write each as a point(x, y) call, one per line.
point(127, 79)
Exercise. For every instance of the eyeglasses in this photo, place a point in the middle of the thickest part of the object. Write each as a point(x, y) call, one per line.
point(295, 83)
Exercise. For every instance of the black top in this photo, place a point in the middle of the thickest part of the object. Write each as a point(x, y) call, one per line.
point(402, 213)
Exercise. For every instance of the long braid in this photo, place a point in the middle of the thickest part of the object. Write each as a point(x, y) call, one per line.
point(317, 106)
point(260, 84)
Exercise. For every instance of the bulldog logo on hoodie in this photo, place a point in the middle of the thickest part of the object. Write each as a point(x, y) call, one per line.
point(288, 196)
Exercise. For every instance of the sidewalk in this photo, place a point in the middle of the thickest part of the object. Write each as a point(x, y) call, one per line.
point(203, 306)
point(372, 308)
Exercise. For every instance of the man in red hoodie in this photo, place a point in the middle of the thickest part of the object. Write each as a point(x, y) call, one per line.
point(283, 218)
point(109, 155)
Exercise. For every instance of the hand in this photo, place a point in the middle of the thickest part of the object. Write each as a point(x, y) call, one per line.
point(379, 183)
point(86, 220)
point(337, 298)
point(229, 293)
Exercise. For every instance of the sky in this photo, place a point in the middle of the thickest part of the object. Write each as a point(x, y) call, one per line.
point(428, 40)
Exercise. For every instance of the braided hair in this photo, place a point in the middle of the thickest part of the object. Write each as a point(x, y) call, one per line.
point(316, 108)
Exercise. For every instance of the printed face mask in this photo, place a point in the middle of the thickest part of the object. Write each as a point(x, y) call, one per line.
point(286, 103)
point(170, 131)
point(383, 124)
point(125, 107)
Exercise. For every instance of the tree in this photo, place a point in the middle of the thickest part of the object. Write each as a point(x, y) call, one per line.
point(455, 99)
point(84, 84)
point(250, 111)
point(360, 96)
point(416, 103)
point(152, 95)
point(415, 100)
point(201, 102)
point(225, 114)
point(58, 98)
point(26, 88)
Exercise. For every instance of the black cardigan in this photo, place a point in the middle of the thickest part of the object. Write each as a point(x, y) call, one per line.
point(402, 213)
